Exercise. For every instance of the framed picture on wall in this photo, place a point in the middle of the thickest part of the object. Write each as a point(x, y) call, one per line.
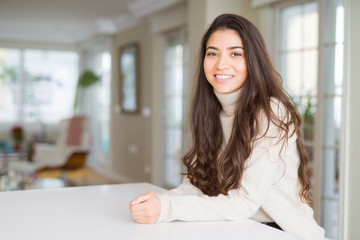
point(129, 78)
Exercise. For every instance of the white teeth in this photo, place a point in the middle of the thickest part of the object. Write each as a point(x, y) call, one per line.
point(223, 76)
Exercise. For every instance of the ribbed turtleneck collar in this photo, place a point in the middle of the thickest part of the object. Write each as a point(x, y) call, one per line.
point(228, 101)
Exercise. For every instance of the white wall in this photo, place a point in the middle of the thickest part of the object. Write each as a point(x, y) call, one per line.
point(130, 133)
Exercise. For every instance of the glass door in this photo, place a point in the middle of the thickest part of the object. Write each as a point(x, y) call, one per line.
point(174, 105)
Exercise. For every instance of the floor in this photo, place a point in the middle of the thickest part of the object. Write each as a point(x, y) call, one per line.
point(82, 177)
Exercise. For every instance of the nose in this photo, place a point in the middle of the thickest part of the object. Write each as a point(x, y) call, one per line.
point(223, 62)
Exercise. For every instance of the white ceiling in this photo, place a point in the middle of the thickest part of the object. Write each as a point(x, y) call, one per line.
point(71, 21)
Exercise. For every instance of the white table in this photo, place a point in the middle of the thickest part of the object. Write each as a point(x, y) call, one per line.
point(102, 213)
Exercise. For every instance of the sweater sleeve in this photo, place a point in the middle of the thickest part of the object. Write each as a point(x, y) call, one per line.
point(185, 188)
point(263, 168)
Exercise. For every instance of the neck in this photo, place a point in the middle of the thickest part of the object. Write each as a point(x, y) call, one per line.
point(228, 101)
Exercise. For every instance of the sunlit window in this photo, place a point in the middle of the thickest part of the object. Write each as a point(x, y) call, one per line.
point(37, 86)
point(101, 119)
point(298, 64)
point(175, 69)
point(10, 82)
point(298, 57)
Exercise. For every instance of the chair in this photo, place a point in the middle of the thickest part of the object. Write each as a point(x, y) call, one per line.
point(68, 153)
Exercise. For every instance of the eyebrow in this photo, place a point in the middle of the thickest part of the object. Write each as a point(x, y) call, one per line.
point(229, 48)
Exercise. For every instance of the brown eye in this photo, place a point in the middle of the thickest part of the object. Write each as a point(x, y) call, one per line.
point(236, 54)
point(211, 54)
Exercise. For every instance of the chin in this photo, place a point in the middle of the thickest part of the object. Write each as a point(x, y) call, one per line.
point(225, 91)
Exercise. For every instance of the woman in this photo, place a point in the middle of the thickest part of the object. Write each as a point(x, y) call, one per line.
point(247, 158)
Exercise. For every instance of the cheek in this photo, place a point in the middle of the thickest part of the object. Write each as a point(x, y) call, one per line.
point(209, 62)
point(241, 68)
point(207, 68)
point(245, 73)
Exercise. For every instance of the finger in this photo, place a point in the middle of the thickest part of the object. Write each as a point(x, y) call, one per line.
point(136, 205)
point(139, 207)
point(141, 213)
point(141, 221)
point(145, 220)
point(131, 207)
point(138, 213)
point(142, 198)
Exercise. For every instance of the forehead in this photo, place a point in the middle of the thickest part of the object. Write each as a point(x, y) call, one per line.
point(224, 37)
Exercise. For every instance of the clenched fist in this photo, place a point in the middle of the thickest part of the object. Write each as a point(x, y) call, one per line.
point(146, 208)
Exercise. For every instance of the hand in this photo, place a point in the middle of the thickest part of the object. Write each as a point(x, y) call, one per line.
point(146, 208)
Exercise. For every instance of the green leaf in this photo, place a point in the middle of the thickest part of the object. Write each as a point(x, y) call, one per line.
point(86, 79)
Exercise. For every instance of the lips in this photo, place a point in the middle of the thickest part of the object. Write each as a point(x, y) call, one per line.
point(223, 77)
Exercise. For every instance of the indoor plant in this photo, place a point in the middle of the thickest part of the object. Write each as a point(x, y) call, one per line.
point(86, 79)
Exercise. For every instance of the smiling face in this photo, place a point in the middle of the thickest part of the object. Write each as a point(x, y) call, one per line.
point(224, 62)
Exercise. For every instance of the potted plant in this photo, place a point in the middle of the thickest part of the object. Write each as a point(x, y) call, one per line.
point(309, 119)
point(86, 79)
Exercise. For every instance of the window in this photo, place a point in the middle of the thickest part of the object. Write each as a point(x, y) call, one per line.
point(37, 86)
point(174, 99)
point(10, 63)
point(101, 117)
point(299, 47)
point(298, 60)
point(95, 100)
point(333, 55)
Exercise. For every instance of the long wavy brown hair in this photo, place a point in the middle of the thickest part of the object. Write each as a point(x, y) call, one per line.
point(215, 172)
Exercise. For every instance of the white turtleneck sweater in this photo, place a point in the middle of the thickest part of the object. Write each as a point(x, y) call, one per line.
point(269, 189)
